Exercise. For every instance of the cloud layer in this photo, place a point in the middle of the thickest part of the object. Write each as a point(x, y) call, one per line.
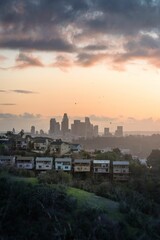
point(89, 31)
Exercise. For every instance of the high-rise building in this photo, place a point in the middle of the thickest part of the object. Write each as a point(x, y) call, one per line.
point(84, 129)
point(54, 126)
point(95, 131)
point(78, 128)
point(33, 130)
point(65, 124)
point(119, 131)
point(88, 128)
point(107, 132)
point(41, 132)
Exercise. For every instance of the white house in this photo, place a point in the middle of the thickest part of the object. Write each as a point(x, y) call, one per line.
point(143, 161)
point(25, 162)
point(120, 170)
point(64, 164)
point(101, 166)
point(44, 163)
point(7, 160)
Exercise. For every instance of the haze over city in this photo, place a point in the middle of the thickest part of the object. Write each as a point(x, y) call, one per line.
point(88, 58)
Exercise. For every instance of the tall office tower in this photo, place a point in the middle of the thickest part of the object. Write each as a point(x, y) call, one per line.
point(119, 131)
point(33, 129)
point(41, 132)
point(106, 132)
point(65, 124)
point(95, 131)
point(52, 128)
point(88, 128)
point(78, 128)
point(57, 128)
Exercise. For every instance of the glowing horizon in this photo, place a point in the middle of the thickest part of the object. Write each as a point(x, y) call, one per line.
point(85, 59)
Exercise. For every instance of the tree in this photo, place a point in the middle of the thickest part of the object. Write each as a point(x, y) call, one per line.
point(153, 159)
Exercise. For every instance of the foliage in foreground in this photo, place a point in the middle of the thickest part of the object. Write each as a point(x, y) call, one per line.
point(40, 212)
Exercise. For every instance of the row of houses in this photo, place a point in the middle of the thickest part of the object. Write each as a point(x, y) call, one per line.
point(119, 170)
point(43, 144)
point(40, 145)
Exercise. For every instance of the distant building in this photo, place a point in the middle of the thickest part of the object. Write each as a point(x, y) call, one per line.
point(41, 144)
point(107, 132)
point(59, 147)
point(76, 148)
point(120, 170)
point(143, 161)
point(44, 163)
point(65, 124)
point(41, 132)
point(125, 151)
point(88, 128)
point(119, 131)
point(82, 165)
point(101, 166)
point(33, 130)
point(95, 131)
point(64, 164)
point(78, 128)
point(54, 126)
point(25, 162)
point(84, 129)
point(7, 160)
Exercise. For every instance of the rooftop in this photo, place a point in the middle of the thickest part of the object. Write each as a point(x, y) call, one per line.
point(101, 161)
point(120, 163)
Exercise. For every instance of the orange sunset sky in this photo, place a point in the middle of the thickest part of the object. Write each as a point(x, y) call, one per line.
point(96, 58)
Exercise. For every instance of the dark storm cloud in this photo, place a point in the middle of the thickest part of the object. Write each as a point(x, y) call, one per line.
point(40, 44)
point(23, 91)
point(95, 47)
point(38, 24)
point(76, 27)
point(143, 48)
point(125, 16)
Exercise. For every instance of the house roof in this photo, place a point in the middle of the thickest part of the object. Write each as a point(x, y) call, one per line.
point(59, 143)
point(75, 145)
point(25, 158)
point(39, 140)
point(7, 157)
point(101, 161)
point(82, 161)
point(63, 160)
point(120, 163)
point(44, 159)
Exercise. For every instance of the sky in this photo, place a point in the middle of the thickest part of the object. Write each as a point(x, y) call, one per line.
point(96, 58)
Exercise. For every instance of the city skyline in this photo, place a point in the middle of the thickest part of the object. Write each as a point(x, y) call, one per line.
point(86, 58)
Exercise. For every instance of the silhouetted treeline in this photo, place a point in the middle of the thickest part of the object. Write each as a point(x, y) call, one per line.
point(139, 145)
